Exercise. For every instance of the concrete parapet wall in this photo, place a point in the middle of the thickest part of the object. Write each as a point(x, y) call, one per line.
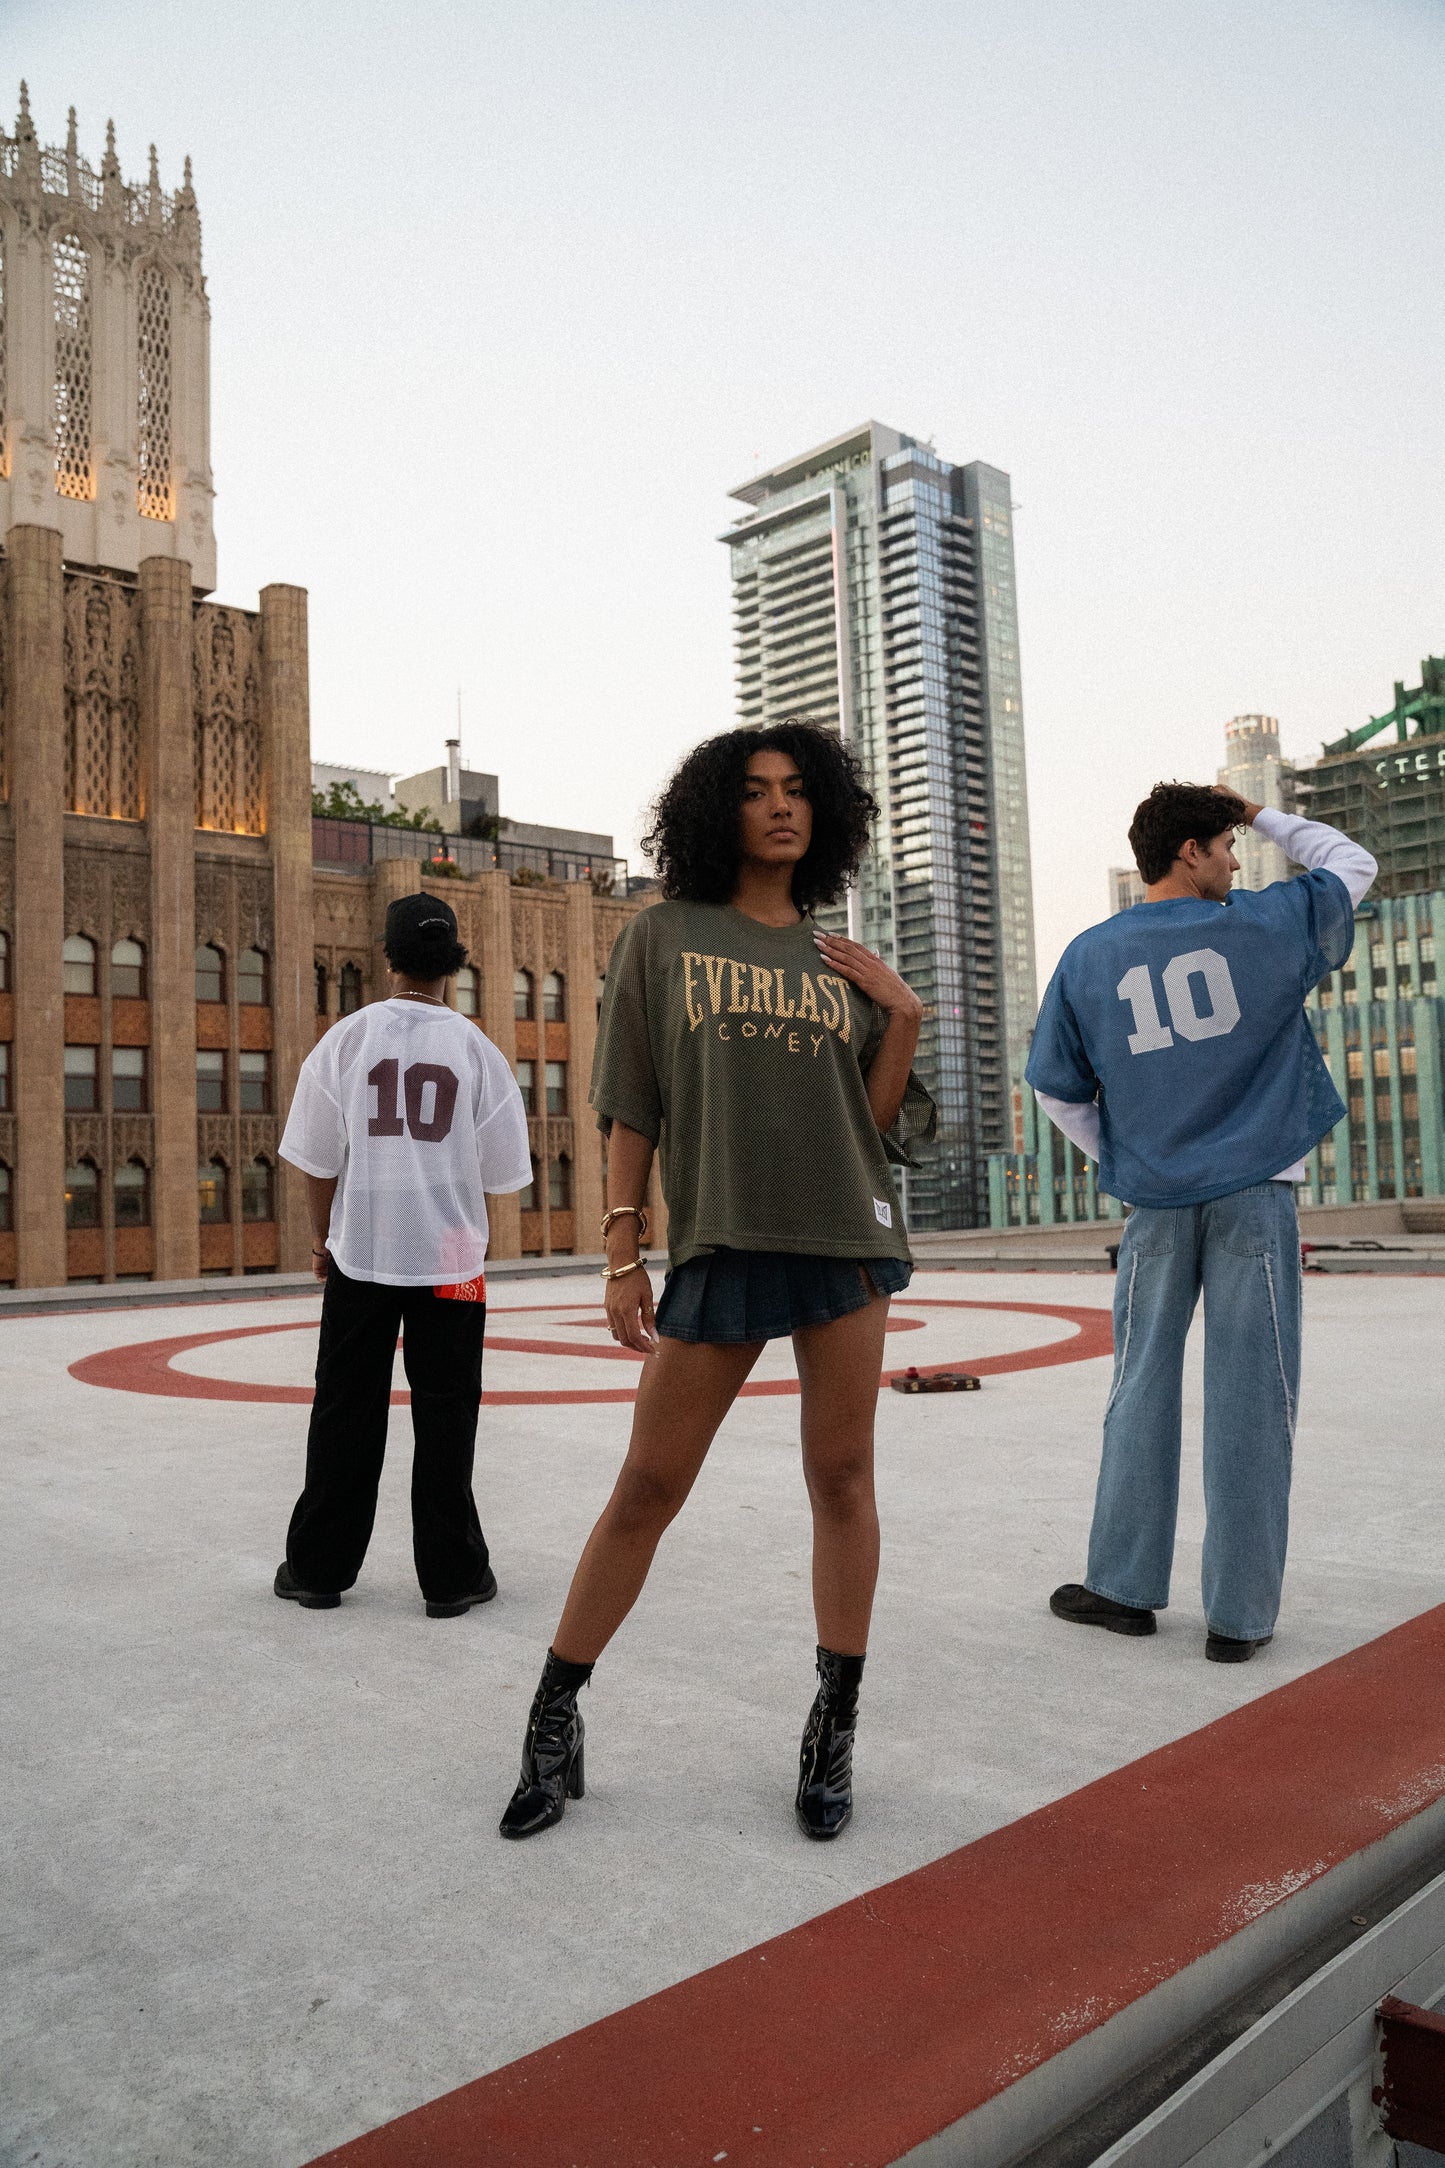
point(972, 2013)
point(1084, 1245)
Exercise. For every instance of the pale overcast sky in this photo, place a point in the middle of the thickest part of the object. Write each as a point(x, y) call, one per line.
point(505, 299)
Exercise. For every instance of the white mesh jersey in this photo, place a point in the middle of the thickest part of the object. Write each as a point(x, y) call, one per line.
point(419, 1115)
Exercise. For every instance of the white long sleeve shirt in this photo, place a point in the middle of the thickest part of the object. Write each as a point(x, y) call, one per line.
point(1310, 844)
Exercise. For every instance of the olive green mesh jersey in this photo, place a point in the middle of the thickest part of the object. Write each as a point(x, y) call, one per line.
point(734, 1048)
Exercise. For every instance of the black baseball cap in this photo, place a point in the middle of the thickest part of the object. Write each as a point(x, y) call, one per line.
point(418, 914)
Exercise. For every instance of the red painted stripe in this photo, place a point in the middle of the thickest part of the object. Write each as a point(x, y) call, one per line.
point(879, 2024)
point(145, 1366)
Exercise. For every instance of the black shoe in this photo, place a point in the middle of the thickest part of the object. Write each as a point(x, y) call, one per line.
point(484, 1594)
point(824, 1804)
point(551, 1751)
point(1224, 1649)
point(1083, 1608)
point(310, 1599)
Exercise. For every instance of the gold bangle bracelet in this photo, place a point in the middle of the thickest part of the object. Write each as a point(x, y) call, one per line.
point(620, 1211)
point(617, 1272)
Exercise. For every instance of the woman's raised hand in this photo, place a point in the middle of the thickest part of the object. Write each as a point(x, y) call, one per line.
point(870, 975)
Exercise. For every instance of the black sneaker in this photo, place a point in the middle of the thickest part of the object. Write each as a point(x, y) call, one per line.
point(310, 1599)
point(484, 1594)
point(1083, 1608)
point(1224, 1649)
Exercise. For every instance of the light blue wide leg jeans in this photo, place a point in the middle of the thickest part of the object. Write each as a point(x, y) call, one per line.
point(1242, 1252)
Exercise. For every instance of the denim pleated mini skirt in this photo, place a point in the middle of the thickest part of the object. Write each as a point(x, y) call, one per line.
point(737, 1296)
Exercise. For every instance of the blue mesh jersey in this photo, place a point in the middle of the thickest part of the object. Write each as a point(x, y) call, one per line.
point(1186, 1020)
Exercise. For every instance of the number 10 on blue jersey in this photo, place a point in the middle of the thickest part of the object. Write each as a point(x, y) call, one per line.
point(1151, 1034)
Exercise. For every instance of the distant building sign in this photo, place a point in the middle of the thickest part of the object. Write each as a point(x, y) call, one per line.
point(840, 466)
point(1402, 765)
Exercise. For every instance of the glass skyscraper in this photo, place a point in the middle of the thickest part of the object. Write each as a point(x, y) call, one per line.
point(873, 590)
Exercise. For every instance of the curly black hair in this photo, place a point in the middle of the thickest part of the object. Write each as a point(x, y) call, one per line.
point(1172, 814)
point(695, 839)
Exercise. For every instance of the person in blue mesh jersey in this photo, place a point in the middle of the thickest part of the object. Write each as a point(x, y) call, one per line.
point(1172, 1046)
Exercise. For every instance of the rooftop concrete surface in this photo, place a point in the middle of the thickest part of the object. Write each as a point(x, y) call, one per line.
point(257, 1901)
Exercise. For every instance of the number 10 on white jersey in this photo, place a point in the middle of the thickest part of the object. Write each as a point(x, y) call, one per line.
point(1151, 1034)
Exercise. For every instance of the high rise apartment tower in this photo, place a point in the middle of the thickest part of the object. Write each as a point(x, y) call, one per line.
point(873, 591)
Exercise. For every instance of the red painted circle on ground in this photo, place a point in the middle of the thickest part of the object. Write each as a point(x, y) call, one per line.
point(145, 1366)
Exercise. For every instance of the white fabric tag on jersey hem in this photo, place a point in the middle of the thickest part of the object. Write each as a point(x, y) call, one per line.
point(882, 1212)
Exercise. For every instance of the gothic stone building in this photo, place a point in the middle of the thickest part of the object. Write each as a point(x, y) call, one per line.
point(155, 906)
point(159, 985)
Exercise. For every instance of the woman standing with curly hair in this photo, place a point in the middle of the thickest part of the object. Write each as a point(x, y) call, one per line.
point(767, 1062)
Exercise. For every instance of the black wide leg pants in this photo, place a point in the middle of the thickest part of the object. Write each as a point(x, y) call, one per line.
point(346, 1445)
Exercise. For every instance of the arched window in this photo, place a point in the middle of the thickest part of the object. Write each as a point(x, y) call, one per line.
point(210, 974)
point(82, 1196)
point(321, 990)
point(127, 971)
point(350, 989)
point(213, 1188)
point(72, 384)
point(77, 961)
point(153, 386)
point(4, 963)
point(522, 996)
point(132, 1195)
point(258, 1191)
point(559, 1184)
point(7, 1199)
point(554, 999)
point(469, 991)
point(527, 1198)
point(253, 977)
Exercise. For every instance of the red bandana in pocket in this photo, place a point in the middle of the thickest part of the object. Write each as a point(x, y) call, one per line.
point(464, 1290)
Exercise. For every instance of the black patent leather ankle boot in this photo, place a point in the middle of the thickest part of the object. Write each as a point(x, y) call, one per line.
point(824, 1804)
point(551, 1751)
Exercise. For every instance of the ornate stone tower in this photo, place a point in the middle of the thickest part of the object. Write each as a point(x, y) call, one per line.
point(156, 970)
point(104, 358)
